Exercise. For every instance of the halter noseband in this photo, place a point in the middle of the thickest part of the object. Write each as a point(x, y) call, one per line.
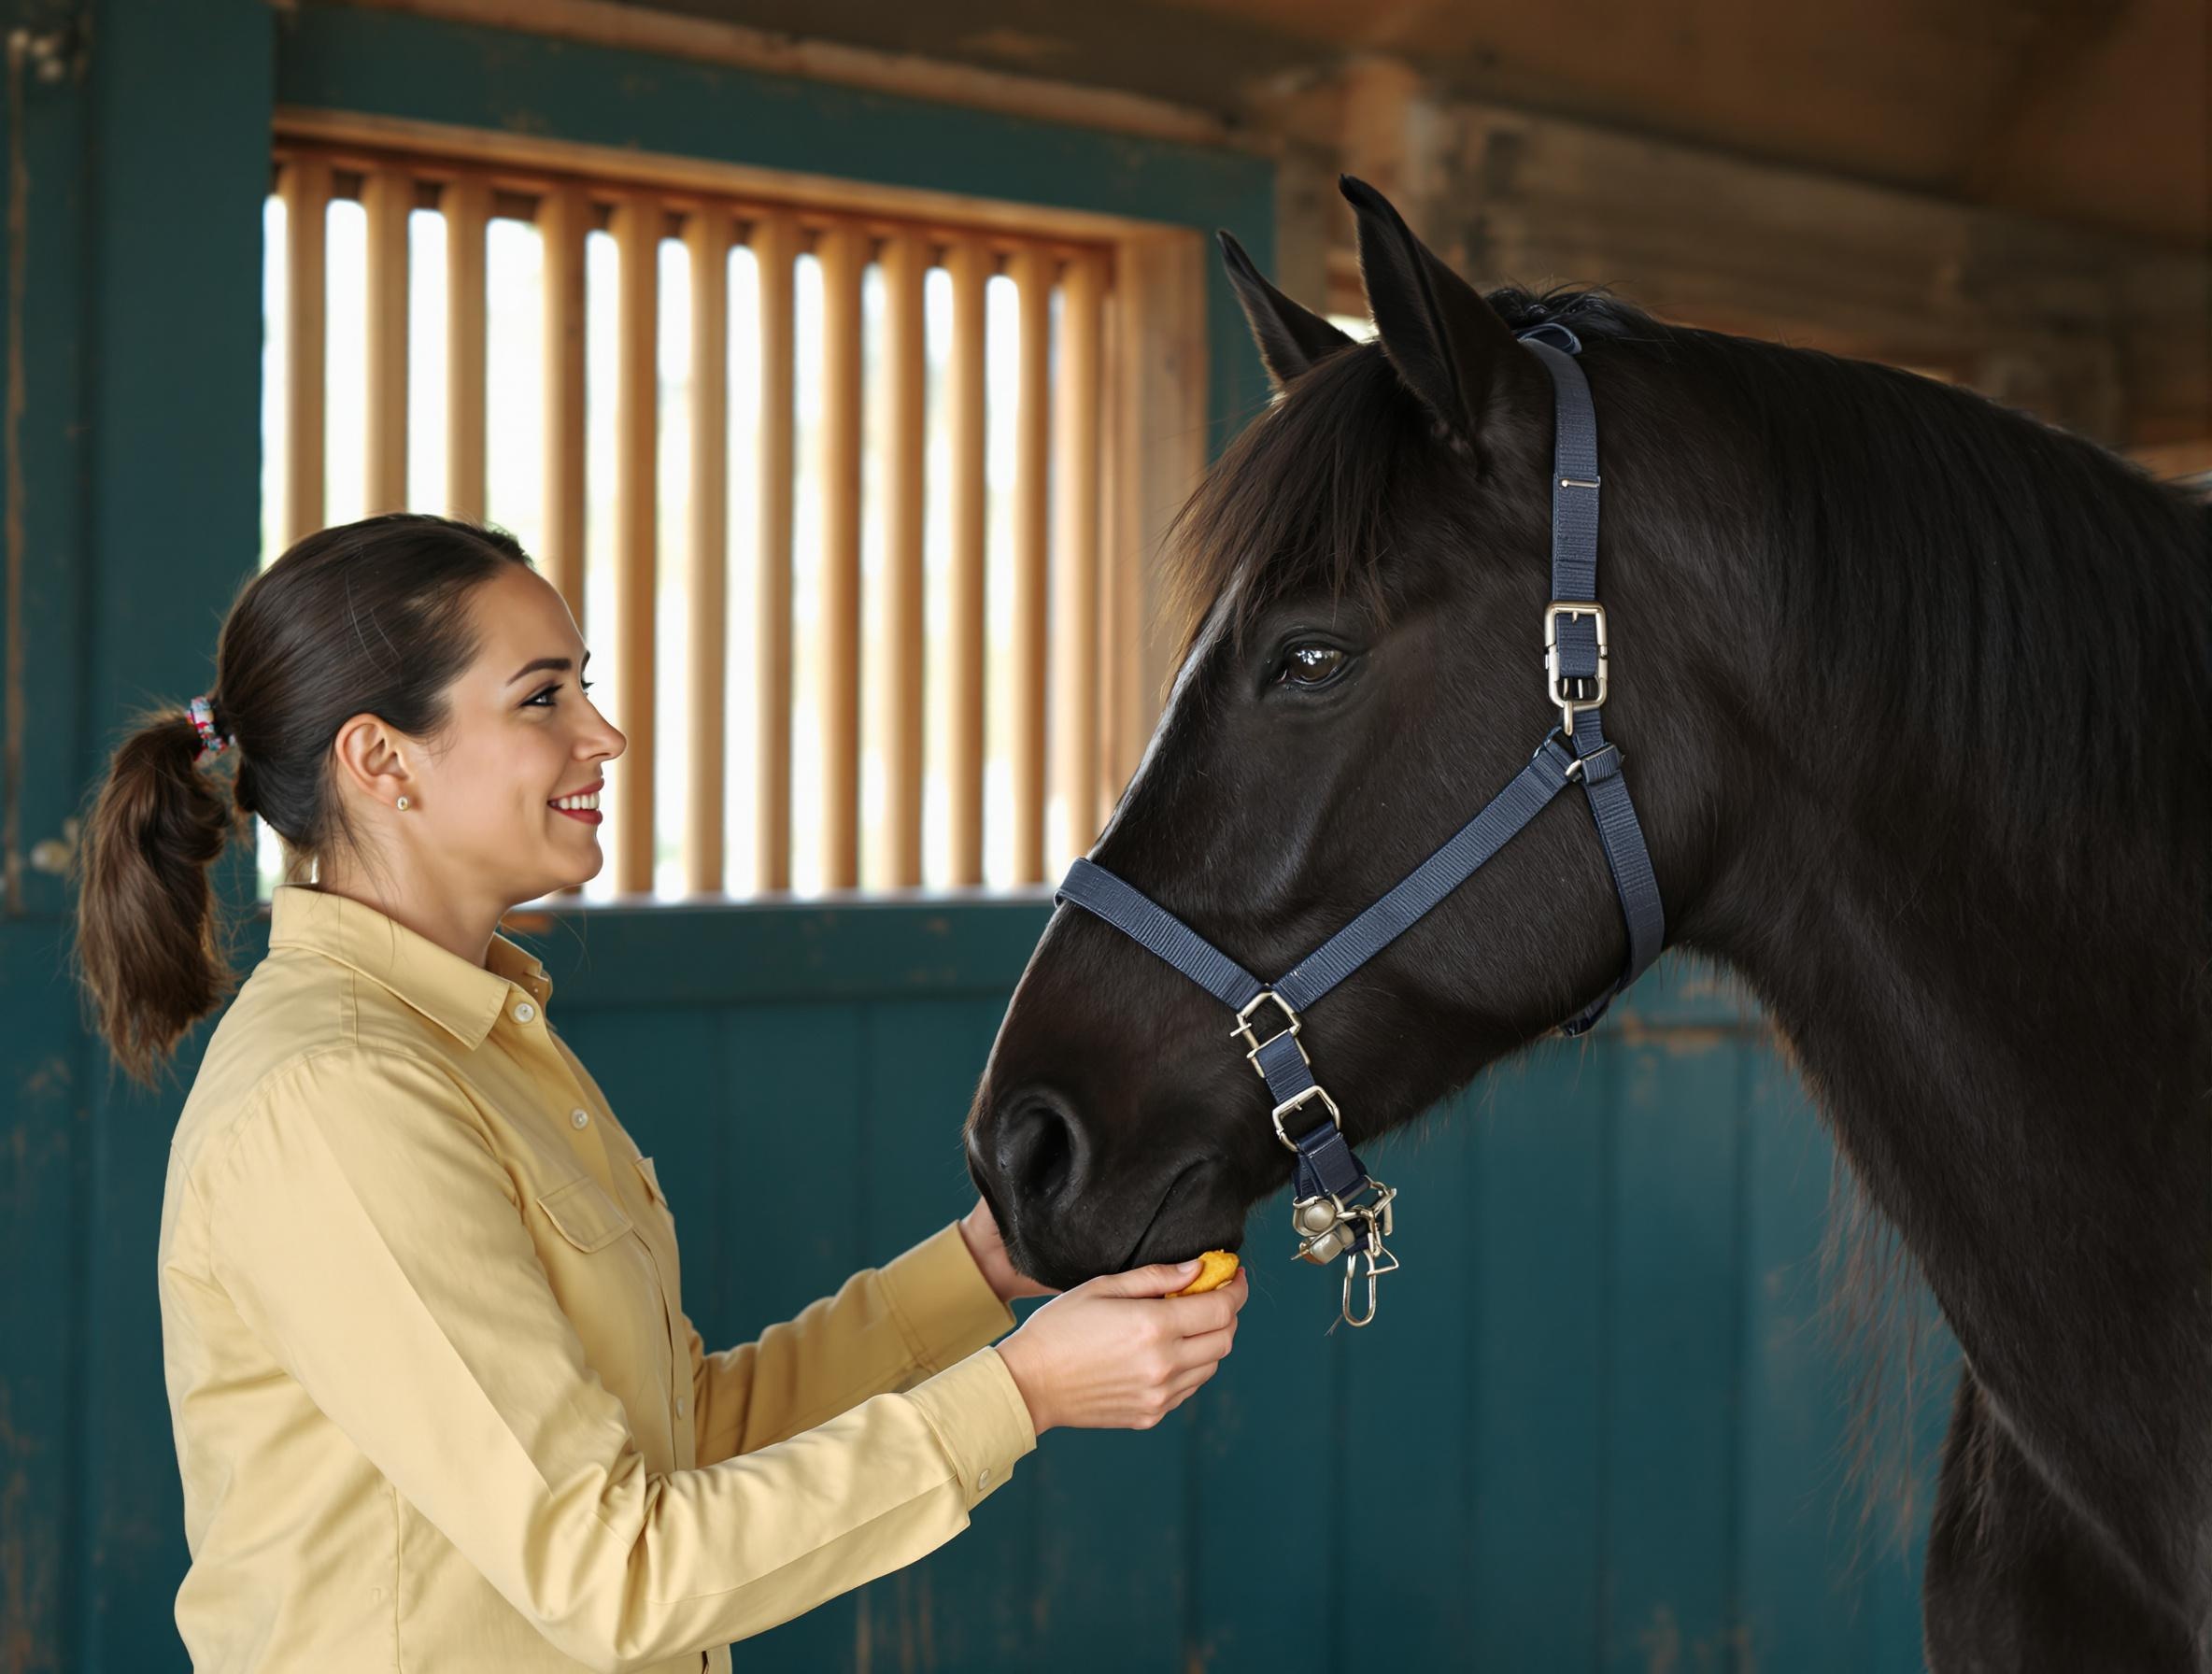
point(1338, 1207)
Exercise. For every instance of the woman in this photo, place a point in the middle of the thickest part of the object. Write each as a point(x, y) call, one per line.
point(437, 1401)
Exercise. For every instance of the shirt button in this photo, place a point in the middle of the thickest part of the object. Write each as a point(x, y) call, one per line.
point(984, 1478)
point(525, 1012)
point(679, 1406)
point(578, 1118)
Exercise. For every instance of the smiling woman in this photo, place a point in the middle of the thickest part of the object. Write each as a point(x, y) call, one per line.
point(435, 1397)
point(482, 826)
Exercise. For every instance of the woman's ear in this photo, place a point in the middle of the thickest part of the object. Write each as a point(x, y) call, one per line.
point(1291, 338)
point(1448, 344)
point(373, 756)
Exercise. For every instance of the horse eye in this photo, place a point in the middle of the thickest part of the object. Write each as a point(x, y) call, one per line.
point(1312, 665)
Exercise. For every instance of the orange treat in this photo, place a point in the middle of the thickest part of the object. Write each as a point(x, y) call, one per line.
point(1220, 1268)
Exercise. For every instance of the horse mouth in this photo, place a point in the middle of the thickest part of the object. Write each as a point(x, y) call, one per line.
point(1167, 1198)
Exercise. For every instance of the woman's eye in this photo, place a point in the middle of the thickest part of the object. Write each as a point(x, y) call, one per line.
point(545, 698)
point(1312, 665)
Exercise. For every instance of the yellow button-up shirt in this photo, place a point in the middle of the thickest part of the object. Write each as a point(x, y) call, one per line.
point(437, 1401)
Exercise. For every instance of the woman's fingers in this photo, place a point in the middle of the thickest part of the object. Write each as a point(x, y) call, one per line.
point(1209, 1310)
point(1189, 1384)
point(1208, 1349)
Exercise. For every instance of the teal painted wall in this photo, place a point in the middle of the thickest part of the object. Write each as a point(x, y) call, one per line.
point(1599, 1423)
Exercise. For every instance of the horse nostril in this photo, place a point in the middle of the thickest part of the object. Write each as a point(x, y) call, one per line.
point(1037, 1148)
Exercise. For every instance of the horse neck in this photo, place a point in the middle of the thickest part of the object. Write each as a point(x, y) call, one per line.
point(2011, 1040)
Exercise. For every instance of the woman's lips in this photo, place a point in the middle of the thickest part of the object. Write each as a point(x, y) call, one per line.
point(590, 816)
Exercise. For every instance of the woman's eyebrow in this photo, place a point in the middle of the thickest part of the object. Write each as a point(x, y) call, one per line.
point(557, 664)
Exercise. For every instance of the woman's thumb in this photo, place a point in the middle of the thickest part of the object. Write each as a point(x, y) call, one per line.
point(1155, 1280)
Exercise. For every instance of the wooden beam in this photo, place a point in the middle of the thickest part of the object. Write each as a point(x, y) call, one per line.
point(898, 728)
point(637, 481)
point(707, 237)
point(1160, 370)
point(637, 29)
point(530, 165)
point(388, 197)
point(970, 265)
point(1032, 280)
point(1076, 598)
point(775, 248)
point(466, 204)
point(2054, 43)
point(306, 187)
point(563, 218)
point(842, 253)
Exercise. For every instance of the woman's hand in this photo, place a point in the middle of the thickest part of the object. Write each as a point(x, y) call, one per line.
point(1120, 1352)
point(979, 1228)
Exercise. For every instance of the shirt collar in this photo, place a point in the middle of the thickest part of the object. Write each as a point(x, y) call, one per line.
point(462, 998)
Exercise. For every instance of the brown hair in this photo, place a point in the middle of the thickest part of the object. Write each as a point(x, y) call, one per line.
point(367, 617)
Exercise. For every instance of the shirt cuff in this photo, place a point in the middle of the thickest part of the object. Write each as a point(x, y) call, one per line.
point(945, 1305)
point(981, 1421)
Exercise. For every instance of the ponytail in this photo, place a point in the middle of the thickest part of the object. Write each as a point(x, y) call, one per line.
point(152, 956)
point(309, 641)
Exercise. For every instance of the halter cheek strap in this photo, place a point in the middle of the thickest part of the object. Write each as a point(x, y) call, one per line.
point(1338, 1207)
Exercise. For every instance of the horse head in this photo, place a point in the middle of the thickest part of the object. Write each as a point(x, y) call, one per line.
point(1365, 574)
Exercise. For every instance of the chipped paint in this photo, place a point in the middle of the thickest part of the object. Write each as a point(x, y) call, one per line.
point(29, 1584)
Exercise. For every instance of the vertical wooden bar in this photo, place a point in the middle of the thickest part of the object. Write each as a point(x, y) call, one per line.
point(1033, 278)
point(970, 264)
point(306, 187)
point(564, 215)
point(1120, 635)
point(1158, 370)
point(1075, 600)
point(466, 204)
point(637, 389)
point(706, 237)
point(900, 724)
point(844, 254)
point(775, 246)
point(386, 197)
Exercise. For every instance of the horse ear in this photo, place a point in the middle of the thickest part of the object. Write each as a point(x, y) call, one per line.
point(1291, 338)
point(1447, 343)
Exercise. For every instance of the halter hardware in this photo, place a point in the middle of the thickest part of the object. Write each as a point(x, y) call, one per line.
point(1557, 683)
point(1298, 1101)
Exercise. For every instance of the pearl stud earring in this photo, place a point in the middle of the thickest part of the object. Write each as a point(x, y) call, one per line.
point(402, 804)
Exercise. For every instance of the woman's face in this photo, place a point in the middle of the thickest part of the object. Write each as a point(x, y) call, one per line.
point(522, 736)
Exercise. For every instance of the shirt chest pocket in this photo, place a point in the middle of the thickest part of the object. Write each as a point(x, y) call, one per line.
point(584, 1215)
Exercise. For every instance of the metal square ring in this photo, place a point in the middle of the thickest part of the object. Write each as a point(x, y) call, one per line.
point(1252, 1041)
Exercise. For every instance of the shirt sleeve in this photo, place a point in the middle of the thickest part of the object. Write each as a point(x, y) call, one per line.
point(885, 1327)
point(366, 1231)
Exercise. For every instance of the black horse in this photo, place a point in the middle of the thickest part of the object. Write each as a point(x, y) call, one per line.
point(1915, 695)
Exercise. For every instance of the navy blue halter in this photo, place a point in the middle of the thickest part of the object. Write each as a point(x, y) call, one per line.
point(1339, 1208)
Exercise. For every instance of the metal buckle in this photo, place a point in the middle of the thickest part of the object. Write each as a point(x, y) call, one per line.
point(1254, 1043)
point(1567, 702)
point(1298, 1099)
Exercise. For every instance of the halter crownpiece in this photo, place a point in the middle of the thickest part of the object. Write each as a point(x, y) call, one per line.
point(212, 737)
point(1338, 1208)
